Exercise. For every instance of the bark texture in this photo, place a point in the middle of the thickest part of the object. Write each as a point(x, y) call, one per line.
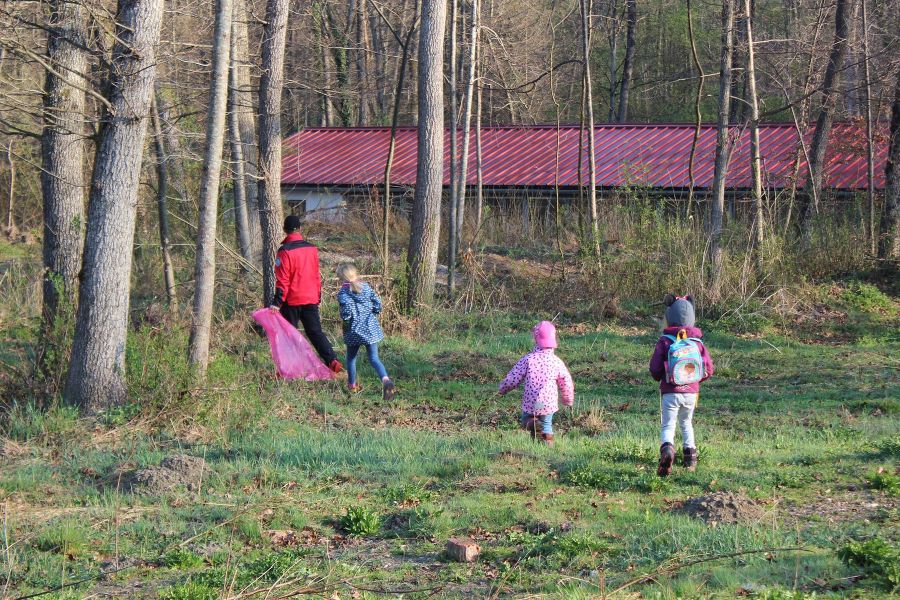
point(62, 154)
point(205, 265)
point(586, 7)
point(162, 191)
point(755, 160)
point(467, 124)
point(889, 236)
point(270, 85)
point(628, 65)
point(426, 211)
point(244, 107)
point(722, 147)
point(96, 378)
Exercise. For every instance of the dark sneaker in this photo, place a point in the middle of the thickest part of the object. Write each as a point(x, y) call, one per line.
point(388, 391)
point(666, 458)
point(690, 459)
point(336, 366)
point(530, 424)
point(547, 438)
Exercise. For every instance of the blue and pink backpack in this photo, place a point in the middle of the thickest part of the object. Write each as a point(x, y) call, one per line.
point(685, 361)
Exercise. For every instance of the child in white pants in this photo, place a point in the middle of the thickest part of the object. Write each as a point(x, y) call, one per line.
point(678, 401)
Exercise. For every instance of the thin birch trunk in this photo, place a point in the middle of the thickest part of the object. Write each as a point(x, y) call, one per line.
point(62, 156)
point(96, 377)
point(395, 120)
point(698, 115)
point(586, 6)
point(479, 173)
point(271, 82)
point(722, 149)
point(755, 160)
point(162, 191)
point(613, 58)
point(362, 51)
point(467, 125)
point(205, 266)
point(11, 196)
point(426, 213)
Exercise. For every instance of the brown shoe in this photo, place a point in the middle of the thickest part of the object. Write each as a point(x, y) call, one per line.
point(666, 458)
point(547, 438)
point(690, 459)
point(388, 391)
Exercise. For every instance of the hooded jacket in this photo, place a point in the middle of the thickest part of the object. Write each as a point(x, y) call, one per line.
point(358, 311)
point(661, 354)
point(297, 278)
point(546, 379)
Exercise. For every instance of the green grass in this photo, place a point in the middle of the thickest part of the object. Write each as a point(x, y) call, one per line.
point(371, 491)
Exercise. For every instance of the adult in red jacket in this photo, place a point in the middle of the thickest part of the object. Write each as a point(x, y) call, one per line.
point(298, 289)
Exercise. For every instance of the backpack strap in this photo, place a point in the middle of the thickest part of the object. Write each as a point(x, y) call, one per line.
point(670, 337)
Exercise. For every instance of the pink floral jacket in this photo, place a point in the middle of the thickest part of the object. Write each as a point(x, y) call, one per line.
point(546, 377)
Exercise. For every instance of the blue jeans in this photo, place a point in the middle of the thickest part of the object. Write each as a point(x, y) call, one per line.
point(372, 351)
point(678, 407)
point(546, 421)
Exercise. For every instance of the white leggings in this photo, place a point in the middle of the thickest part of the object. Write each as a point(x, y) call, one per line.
point(680, 406)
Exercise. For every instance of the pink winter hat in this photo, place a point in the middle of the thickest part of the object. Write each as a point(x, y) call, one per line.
point(544, 334)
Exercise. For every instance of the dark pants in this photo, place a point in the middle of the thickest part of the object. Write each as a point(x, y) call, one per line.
point(308, 315)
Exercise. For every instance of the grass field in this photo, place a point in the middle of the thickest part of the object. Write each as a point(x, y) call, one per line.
point(307, 489)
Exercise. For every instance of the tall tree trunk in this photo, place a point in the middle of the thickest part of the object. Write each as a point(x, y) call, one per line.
point(613, 57)
point(205, 265)
point(271, 82)
point(426, 210)
point(239, 179)
point(162, 191)
point(698, 99)
point(479, 173)
point(870, 146)
point(739, 73)
point(392, 145)
point(362, 52)
point(628, 65)
point(467, 125)
point(722, 149)
point(11, 196)
point(755, 160)
point(380, 66)
point(244, 105)
point(830, 94)
point(96, 378)
point(452, 234)
point(889, 236)
point(586, 6)
point(62, 154)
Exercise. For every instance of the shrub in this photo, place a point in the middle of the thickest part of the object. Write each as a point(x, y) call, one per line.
point(865, 297)
point(879, 559)
point(362, 521)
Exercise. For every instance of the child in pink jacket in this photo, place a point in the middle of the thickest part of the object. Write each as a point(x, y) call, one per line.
point(546, 377)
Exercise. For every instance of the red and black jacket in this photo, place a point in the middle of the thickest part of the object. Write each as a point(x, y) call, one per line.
point(297, 277)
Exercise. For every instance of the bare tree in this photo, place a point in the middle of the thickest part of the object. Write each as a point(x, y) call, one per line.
point(628, 64)
point(698, 99)
point(162, 191)
point(96, 377)
point(62, 153)
point(722, 148)
point(205, 266)
point(755, 160)
point(239, 175)
point(426, 211)
point(586, 7)
point(830, 94)
point(889, 236)
point(870, 146)
point(452, 234)
point(244, 107)
point(467, 123)
point(270, 86)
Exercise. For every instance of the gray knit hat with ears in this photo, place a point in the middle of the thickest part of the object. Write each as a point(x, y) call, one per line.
point(679, 311)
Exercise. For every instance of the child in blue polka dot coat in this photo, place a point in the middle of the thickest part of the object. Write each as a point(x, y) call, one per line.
point(360, 306)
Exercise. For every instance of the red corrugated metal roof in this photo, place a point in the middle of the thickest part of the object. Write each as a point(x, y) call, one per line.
point(644, 155)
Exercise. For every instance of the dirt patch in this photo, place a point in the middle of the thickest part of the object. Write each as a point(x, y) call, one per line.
point(175, 471)
point(721, 508)
point(845, 506)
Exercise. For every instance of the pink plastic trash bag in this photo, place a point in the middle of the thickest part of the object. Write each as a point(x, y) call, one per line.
point(294, 356)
